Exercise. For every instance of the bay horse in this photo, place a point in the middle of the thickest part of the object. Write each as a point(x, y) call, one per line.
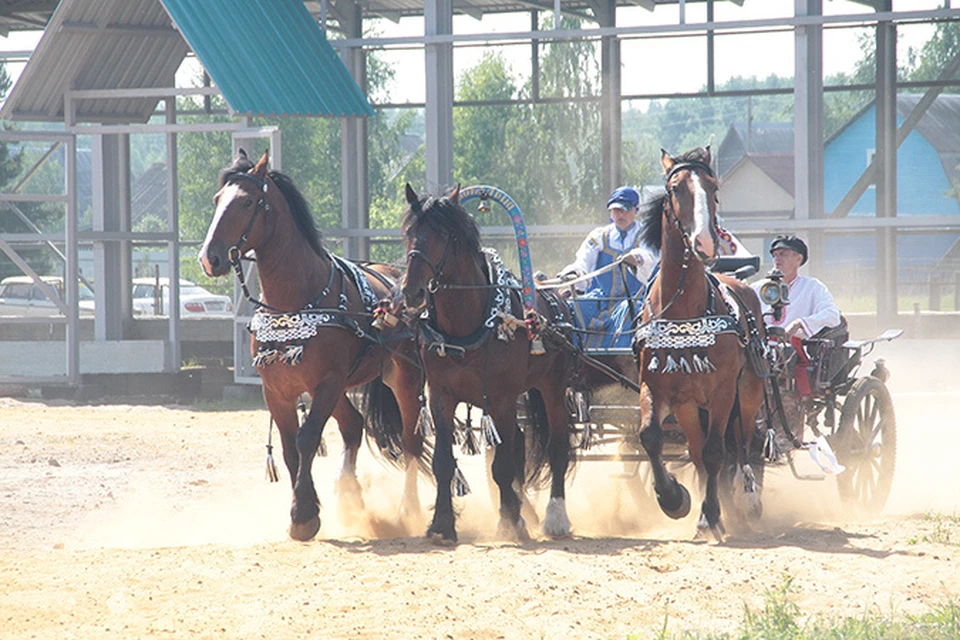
point(312, 334)
point(699, 347)
point(475, 350)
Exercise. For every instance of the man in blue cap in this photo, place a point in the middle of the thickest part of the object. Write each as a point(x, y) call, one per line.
point(604, 308)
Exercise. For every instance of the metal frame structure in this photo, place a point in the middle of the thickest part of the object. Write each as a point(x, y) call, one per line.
point(113, 237)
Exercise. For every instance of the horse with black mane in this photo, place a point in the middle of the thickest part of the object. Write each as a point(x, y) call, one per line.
point(700, 348)
point(312, 333)
point(476, 348)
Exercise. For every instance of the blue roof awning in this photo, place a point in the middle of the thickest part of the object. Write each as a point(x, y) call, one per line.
point(268, 58)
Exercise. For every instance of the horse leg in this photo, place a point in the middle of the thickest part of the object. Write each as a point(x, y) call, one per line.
point(284, 413)
point(305, 512)
point(556, 524)
point(673, 497)
point(511, 525)
point(408, 399)
point(714, 424)
point(351, 429)
point(443, 528)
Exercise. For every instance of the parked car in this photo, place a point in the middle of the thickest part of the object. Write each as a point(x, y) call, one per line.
point(195, 301)
point(21, 296)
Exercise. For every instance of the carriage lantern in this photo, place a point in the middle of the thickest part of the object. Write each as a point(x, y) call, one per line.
point(484, 206)
point(775, 293)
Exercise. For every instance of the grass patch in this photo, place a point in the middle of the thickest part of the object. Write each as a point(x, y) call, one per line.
point(946, 530)
point(782, 619)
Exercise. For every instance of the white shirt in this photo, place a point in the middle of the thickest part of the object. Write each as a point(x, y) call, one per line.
point(590, 248)
point(810, 302)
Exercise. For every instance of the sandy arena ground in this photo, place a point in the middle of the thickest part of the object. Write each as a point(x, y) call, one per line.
point(123, 521)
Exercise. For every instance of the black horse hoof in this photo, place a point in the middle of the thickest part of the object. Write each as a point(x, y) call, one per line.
point(442, 532)
point(304, 531)
point(680, 506)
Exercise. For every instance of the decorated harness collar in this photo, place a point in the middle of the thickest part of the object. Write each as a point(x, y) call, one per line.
point(281, 336)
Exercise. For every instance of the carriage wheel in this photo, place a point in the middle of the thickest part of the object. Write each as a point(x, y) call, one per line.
point(866, 444)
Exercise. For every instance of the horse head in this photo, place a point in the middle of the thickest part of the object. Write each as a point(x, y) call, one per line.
point(241, 213)
point(691, 199)
point(434, 230)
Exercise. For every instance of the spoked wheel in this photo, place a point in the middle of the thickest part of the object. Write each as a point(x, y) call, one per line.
point(866, 444)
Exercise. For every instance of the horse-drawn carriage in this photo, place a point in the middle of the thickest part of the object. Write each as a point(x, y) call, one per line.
point(700, 360)
point(842, 418)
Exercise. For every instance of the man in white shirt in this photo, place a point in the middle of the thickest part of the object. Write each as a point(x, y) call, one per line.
point(811, 307)
point(604, 307)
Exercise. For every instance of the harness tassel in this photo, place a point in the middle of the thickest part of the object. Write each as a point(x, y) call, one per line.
point(709, 365)
point(489, 430)
point(684, 365)
point(771, 450)
point(469, 446)
point(698, 364)
point(459, 486)
point(654, 364)
point(272, 474)
point(425, 421)
point(586, 438)
point(671, 365)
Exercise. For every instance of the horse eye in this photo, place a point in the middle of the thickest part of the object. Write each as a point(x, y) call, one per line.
point(248, 203)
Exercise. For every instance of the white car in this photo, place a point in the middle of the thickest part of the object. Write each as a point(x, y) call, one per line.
point(21, 296)
point(195, 301)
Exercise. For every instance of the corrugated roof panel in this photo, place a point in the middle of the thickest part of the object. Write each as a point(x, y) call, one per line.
point(107, 44)
point(268, 58)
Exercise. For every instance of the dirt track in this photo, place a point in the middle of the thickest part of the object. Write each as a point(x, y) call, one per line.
point(128, 521)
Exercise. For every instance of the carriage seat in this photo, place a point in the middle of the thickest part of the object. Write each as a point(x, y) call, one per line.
point(740, 267)
point(827, 353)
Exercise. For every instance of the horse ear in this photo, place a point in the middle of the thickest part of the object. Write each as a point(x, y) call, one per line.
point(412, 197)
point(707, 160)
point(242, 154)
point(261, 169)
point(455, 194)
point(666, 161)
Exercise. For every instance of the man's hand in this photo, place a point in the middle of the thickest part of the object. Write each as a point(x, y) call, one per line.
point(795, 328)
point(633, 260)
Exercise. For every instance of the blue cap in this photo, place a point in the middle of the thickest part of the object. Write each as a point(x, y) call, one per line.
point(624, 198)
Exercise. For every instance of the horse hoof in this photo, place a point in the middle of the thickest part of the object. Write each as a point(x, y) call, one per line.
point(304, 531)
point(556, 524)
point(442, 533)
point(442, 539)
point(679, 510)
point(717, 530)
point(513, 531)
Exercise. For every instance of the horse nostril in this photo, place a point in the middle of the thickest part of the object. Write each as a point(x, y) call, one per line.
point(214, 261)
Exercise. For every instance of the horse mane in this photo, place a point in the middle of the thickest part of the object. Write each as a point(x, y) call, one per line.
point(297, 204)
point(651, 213)
point(445, 216)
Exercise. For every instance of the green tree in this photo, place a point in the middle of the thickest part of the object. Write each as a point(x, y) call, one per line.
point(47, 181)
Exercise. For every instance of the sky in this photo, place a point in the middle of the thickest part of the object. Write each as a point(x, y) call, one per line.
point(757, 54)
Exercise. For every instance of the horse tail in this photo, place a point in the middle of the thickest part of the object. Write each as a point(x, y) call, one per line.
point(537, 437)
point(384, 422)
point(376, 402)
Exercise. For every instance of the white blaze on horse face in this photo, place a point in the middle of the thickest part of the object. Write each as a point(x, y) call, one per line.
point(701, 239)
point(227, 195)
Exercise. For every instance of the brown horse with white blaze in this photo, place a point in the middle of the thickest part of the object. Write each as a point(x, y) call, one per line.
point(312, 333)
point(694, 346)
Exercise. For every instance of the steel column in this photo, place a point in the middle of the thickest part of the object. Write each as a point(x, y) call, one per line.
point(610, 122)
point(173, 247)
point(886, 154)
point(111, 260)
point(354, 169)
point(438, 20)
point(808, 126)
